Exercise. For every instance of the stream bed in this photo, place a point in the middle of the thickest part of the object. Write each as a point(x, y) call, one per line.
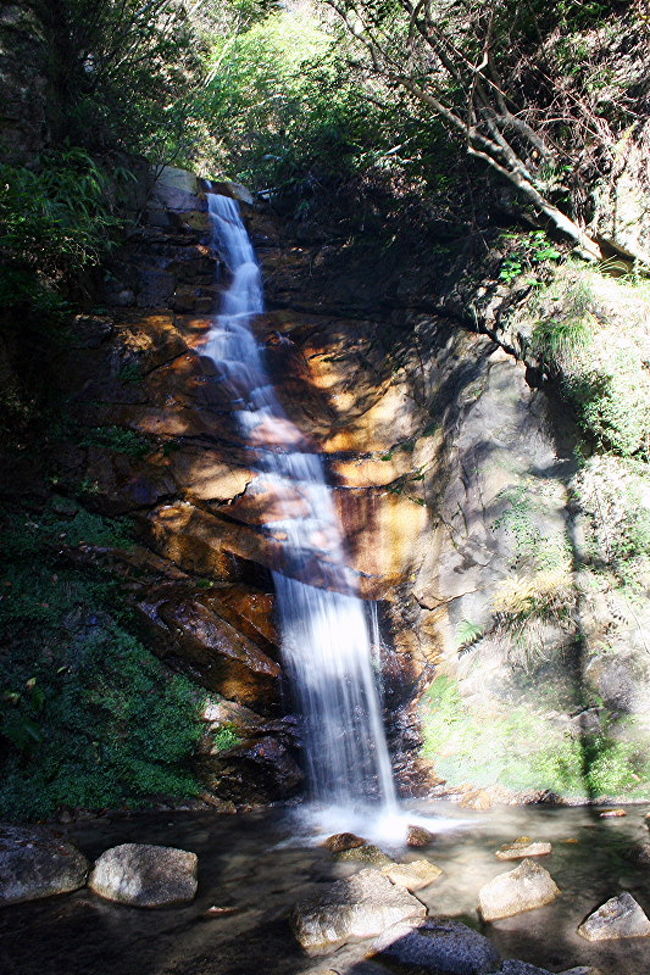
point(262, 863)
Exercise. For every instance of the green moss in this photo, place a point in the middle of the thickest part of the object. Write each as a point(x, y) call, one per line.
point(520, 749)
point(612, 495)
point(226, 737)
point(88, 717)
point(118, 439)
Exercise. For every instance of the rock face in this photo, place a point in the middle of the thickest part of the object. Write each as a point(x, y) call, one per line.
point(526, 887)
point(145, 876)
point(358, 908)
point(35, 863)
point(619, 917)
point(439, 945)
point(460, 526)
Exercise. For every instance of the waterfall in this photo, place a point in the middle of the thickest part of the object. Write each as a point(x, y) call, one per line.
point(324, 625)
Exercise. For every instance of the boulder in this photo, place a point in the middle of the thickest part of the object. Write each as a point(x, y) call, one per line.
point(523, 889)
point(360, 907)
point(514, 967)
point(340, 842)
point(367, 853)
point(619, 917)
point(582, 970)
point(439, 945)
point(523, 847)
point(35, 863)
point(414, 876)
point(418, 836)
point(145, 875)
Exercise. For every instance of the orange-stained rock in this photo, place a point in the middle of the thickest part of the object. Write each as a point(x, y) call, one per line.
point(202, 542)
point(250, 611)
point(205, 473)
point(383, 531)
point(152, 337)
point(210, 648)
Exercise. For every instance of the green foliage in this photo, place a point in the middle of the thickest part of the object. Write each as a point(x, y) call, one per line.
point(131, 373)
point(557, 340)
point(87, 716)
point(226, 737)
point(468, 634)
point(117, 72)
point(522, 518)
point(56, 219)
point(119, 439)
point(285, 107)
point(519, 749)
point(612, 495)
point(530, 251)
point(613, 404)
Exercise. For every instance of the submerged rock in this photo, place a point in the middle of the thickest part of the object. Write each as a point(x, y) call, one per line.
point(439, 945)
point(619, 917)
point(526, 887)
point(360, 907)
point(367, 853)
point(145, 876)
point(35, 863)
point(414, 876)
point(523, 847)
point(339, 842)
point(418, 836)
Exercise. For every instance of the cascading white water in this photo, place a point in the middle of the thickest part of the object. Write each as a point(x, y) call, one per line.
point(323, 623)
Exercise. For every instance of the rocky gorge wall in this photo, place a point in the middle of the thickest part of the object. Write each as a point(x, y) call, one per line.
point(511, 665)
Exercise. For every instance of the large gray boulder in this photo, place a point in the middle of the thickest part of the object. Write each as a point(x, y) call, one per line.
point(359, 907)
point(619, 917)
point(526, 887)
point(145, 876)
point(439, 945)
point(35, 863)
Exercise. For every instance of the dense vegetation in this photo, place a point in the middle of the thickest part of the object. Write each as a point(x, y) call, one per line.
point(88, 718)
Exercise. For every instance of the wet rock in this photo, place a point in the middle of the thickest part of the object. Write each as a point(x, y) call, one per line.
point(236, 191)
point(418, 836)
point(639, 853)
point(582, 970)
point(339, 842)
point(439, 945)
point(514, 967)
point(523, 847)
point(477, 799)
point(523, 889)
point(619, 917)
point(209, 647)
point(145, 876)
point(414, 876)
point(36, 863)
point(367, 853)
point(360, 907)
point(612, 813)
